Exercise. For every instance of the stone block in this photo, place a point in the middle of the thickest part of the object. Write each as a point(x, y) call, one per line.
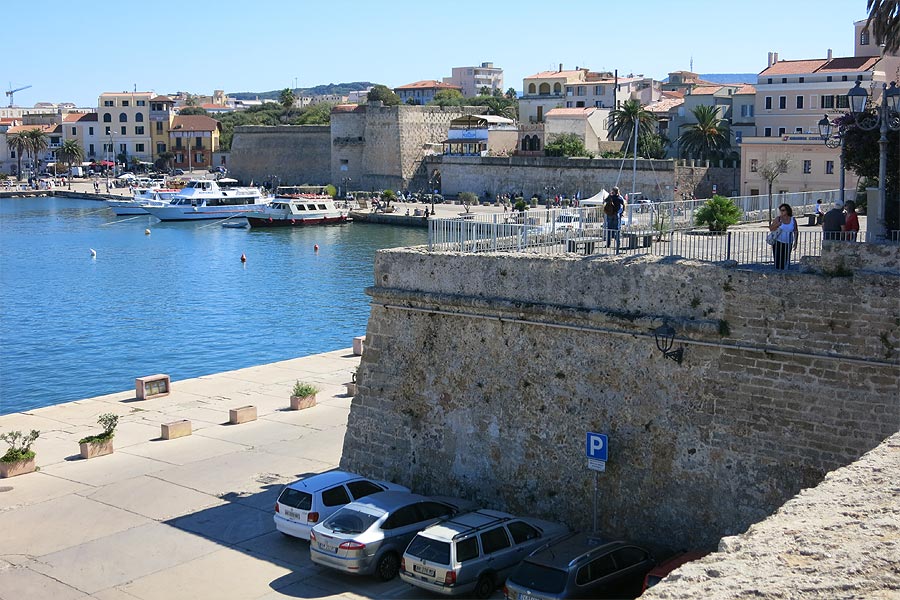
point(175, 429)
point(352, 389)
point(11, 469)
point(243, 414)
point(152, 386)
point(358, 345)
point(301, 402)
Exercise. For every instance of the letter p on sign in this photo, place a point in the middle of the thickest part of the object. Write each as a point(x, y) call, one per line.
point(597, 446)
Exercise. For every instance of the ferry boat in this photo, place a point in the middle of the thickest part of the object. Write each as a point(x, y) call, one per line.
point(207, 199)
point(143, 197)
point(296, 210)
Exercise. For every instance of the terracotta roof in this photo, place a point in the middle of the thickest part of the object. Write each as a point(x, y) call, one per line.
point(54, 128)
point(9, 120)
point(672, 94)
point(161, 99)
point(428, 84)
point(664, 105)
point(555, 74)
point(819, 65)
point(347, 108)
point(194, 123)
point(746, 89)
point(80, 117)
point(570, 112)
point(705, 90)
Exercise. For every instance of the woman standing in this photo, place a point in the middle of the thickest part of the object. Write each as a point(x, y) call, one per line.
point(851, 225)
point(786, 238)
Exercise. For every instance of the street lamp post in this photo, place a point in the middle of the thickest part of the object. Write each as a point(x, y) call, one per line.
point(834, 139)
point(886, 117)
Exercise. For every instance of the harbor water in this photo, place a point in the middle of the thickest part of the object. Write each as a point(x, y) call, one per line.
point(177, 300)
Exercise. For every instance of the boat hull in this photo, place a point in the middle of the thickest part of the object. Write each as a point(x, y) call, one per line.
point(259, 222)
point(190, 213)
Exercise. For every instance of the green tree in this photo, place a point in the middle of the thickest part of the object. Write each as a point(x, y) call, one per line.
point(68, 153)
point(37, 145)
point(317, 114)
point(484, 91)
point(164, 161)
point(624, 118)
point(468, 199)
point(191, 100)
point(652, 145)
point(884, 15)
point(384, 94)
point(511, 93)
point(566, 144)
point(861, 155)
point(718, 213)
point(18, 142)
point(193, 110)
point(708, 138)
point(287, 98)
point(448, 98)
point(502, 107)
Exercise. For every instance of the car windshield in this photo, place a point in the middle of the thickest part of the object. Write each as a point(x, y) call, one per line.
point(348, 520)
point(431, 550)
point(295, 499)
point(539, 578)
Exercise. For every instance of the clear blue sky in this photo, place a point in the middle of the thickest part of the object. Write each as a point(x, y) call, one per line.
point(71, 52)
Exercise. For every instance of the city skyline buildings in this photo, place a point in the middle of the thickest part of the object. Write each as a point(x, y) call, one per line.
point(172, 47)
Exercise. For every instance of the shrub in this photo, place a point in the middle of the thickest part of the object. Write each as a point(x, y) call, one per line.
point(19, 445)
point(108, 422)
point(719, 213)
point(302, 390)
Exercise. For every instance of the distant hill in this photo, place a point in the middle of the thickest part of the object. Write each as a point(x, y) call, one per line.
point(730, 78)
point(320, 90)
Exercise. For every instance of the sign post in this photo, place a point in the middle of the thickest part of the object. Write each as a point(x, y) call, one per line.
point(597, 451)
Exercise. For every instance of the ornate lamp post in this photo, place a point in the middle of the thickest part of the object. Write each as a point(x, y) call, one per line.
point(834, 139)
point(886, 117)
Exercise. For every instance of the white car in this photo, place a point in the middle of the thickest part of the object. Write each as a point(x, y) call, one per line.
point(311, 500)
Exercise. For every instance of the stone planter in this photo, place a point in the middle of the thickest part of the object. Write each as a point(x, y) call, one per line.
point(94, 449)
point(301, 402)
point(20, 467)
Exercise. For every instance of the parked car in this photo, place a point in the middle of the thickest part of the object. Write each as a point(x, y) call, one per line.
point(472, 553)
point(581, 566)
point(369, 536)
point(304, 503)
point(660, 571)
point(178, 172)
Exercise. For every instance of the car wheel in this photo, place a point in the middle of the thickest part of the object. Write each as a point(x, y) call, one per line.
point(388, 566)
point(485, 586)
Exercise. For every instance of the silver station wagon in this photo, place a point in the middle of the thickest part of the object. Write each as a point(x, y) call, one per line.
point(370, 535)
point(472, 553)
point(303, 504)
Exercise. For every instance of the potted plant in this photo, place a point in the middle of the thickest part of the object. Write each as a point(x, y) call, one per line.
point(718, 213)
point(19, 459)
point(100, 444)
point(303, 396)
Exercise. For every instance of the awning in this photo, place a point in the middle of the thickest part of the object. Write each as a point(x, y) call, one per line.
point(107, 163)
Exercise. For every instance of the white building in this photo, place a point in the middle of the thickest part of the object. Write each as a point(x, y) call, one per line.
point(472, 79)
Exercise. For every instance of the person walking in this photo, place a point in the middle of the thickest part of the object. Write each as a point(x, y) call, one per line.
point(851, 222)
point(833, 222)
point(820, 211)
point(612, 208)
point(786, 236)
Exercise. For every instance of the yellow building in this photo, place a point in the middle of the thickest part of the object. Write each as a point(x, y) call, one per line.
point(124, 120)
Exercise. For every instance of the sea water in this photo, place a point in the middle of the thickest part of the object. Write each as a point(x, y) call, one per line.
point(177, 300)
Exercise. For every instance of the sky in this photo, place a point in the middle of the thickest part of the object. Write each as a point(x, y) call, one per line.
point(74, 52)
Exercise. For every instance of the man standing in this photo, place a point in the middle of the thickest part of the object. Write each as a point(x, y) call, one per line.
point(612, 208)
point(833, 222)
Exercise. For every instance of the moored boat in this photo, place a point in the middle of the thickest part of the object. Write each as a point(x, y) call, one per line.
point(297, 210)
point(207, 199)
point(143, 197)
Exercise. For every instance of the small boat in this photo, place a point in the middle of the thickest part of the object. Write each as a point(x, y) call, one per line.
point(297, 210)
point(207, 199)
point(143, 197)
point(239, 224)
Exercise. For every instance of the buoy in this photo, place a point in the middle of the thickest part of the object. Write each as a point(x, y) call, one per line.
point(93, 253)
point(146, 232)
point(316, 247)
point(243, 258)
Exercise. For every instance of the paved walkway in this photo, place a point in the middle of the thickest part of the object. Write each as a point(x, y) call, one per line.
point(187, 518)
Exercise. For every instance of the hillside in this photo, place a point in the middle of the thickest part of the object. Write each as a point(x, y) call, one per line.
point(319, 90)
point(730, 77)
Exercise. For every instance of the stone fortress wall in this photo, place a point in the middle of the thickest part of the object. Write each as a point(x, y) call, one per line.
point(295, 154)
point(482, 374)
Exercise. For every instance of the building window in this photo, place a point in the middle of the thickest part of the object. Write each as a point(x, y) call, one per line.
point(828, 79)
point(531, 88)
point(781, 131)
point(160, 148)
point(178, 143)
point(799, 101)
point(198, 158)
point(798, 130)
point(107, 131)
point(138, 147)
point(139, 130)
point(802, 79)
point(124, 102)
point(179, 158)
point(139, 117)
point(746, 110)
point(124, 130)
point(827, 101)
point(123, 149)
point(107, 118)
point(768, 132)
point(598, 90)
point(843, 101)
point(829, 167)
point(73, 131)
point(123, 118)
point(108, 103)
point(141, 103)
point(754, 165)
point(784, 80)
point(807, 166)
point(782, 102)
point(770, 80)
point(864, 38)
point(159, 128)
point(198, 143)
point(90, 150)
point(581, 90)
point(768, 102)
point(90, 131)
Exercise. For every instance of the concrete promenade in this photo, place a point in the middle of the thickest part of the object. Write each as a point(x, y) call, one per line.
point(185, 518)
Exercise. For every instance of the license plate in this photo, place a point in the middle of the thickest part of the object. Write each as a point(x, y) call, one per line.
point(293, 514)
point(326, 547)
point(423, 570)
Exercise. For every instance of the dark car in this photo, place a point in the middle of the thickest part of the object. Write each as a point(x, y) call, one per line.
point(659, 572)
point(581, 565)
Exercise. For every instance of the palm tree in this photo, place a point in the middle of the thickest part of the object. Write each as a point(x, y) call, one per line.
point(511, 93)
point(623, 119)
point(69, 153)
point(287, 98)
point(166, 158)
point(885, 16)
point(708, 137)
point(501, 107)
point(37, 144)
point(18, 142)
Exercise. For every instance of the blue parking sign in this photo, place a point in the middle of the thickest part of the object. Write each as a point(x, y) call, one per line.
point(597, 446)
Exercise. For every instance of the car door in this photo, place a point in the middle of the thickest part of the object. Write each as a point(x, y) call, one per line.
point(333, 498)
point(401, 527)
point(632, 564)
point(498, 551)
point(525, 538)
point(596, 579)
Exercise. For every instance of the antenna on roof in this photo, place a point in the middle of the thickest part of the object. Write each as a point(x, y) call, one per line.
point(692, 64)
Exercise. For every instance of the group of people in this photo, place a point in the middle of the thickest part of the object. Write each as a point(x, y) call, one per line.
point(839, 223)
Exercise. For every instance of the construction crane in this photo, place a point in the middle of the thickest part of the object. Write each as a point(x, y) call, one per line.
point(11, 91)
